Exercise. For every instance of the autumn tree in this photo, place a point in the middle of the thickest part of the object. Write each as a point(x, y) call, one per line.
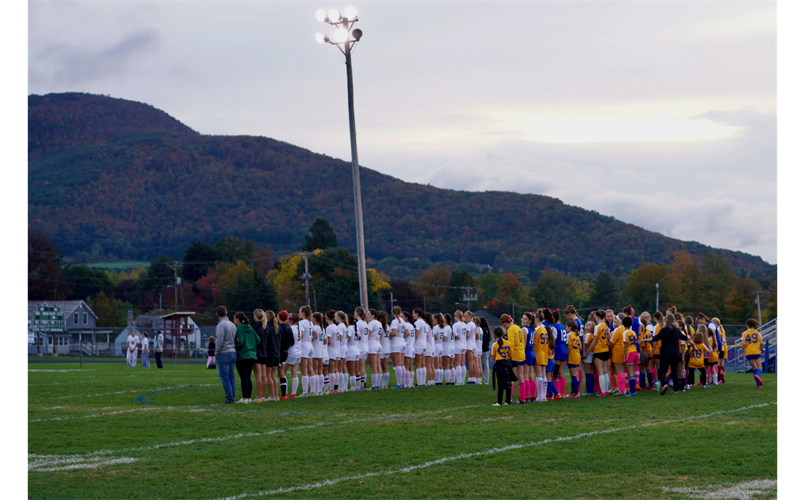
point(243, 288)
point(198, 259)
point(44, 269)
point(740, 304)
point(85, 282)
point(335, 280)
point(460, 280)
point(604, 293)
point(432, 283)
point(554, 289)
point(231, 249)
point(641, 286)
point(110, 311)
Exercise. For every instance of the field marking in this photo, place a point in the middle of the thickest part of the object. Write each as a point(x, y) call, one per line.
point(51, 463)
point(491, 451)
point(61, 371)
point(741, 491)
point(125, 392)
point(94, 415)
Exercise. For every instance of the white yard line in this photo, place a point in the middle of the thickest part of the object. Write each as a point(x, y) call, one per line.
point(491, 451)
point(60, 371)
point(94, 415)
point(57, 463)
point(741, 491)
point(139, 391)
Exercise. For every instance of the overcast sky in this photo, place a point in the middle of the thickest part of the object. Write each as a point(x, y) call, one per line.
point(660, 114)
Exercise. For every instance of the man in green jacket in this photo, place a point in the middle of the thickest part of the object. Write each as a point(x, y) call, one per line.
point(246, 342)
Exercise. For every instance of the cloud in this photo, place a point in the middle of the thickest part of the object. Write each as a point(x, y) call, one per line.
point(67, 65)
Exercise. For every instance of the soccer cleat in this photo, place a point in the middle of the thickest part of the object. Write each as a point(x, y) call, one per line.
point(759, 381)
point(506, 404)
point(292, 396)
point(664, 390)
point(603, 394)
point(657, 385)
point(496, 404)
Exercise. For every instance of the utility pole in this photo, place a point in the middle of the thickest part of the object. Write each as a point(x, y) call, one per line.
point(657, 285)
point(470, 296)
point(176, 280)
point(315, 304)
point(306, 277)
point(759, 320)
point(424, 304)
point(391, 301)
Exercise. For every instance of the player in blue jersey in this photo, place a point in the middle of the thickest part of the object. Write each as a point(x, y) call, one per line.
point(560, 355)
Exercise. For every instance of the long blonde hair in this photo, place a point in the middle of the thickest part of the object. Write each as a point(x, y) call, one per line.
point(270, 316)
point(260, 316)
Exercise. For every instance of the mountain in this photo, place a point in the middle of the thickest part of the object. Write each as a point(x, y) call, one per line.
point(127, 181)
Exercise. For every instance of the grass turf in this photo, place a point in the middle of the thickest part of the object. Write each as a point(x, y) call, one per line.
point(166, 434)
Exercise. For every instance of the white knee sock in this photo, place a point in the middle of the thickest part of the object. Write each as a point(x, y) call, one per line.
point(438, 375)
point(544, 388)
point(352, 382)
point(294, 385)
point(386, 377)
point(305, 384)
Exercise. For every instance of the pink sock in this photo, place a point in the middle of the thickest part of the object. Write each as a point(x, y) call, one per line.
point(654, 374)
point(597, 386)
point(562, 385)
point(533, 393)
point(621, 383)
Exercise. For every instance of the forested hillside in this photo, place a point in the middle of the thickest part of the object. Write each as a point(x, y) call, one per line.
point(117, 179)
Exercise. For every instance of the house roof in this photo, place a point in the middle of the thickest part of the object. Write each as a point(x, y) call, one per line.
point(180, 313)
point(67, 306)
point(492, 320)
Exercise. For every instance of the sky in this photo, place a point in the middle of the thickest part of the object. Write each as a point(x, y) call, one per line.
point(663, 115)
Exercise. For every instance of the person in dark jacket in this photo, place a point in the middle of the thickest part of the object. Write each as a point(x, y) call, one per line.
point(246, 342)
point(260, 326)
point(273, 344)
point(286, 342)
point(211, 353)
point(670, 336)
point(486, 339)
point(504, 374)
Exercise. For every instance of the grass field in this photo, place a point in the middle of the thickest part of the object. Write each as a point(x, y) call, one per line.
point(110, 432)
point(119, 266)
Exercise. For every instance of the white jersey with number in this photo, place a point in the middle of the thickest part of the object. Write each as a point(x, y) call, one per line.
point(295, 351)
point(398, 342)
point(420, 341)
point(470, 336)
point(306, 331)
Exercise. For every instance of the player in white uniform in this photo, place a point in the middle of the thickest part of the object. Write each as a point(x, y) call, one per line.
point(333, 351)
point(397, 330)
point(319, 353)
point(385, 348)
point(430, 350)
point(362, 329)
point(306, 333)
point(408, 358)
point(460, 344)
point(420, 343)
point(353, 353)
point(375, 330)
point(448, 349)
point(437, 345)
point(340, 320)
point(479, 337)
point(470, 324)
point(294, 355)
point(131, 352)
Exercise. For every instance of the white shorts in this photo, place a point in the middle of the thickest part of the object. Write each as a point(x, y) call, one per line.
point(332, 353)
point(385, 354)
point(375, 348)
point(293, 359)
point(438, 349)
point(448, 351)
point(478, 352)
point(307, 350)
point(460, 351)
point(353, 354)
point(362, 354)
point(430, 351)
point(419, 351)
point(342, 352)
point(409, 351)
point(397, 347)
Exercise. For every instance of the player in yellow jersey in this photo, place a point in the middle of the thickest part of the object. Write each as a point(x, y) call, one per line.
point(517, 340)
point(618, 354)
point(722, 354)
point(601, 351)
point(752, 346)
point(645, 353)
point(542, 348)
point(573, 356)
point(630, 355)
point(504, 375)
point(698, 353)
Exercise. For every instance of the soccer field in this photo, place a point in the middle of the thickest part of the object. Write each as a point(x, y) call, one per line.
point(107, 431)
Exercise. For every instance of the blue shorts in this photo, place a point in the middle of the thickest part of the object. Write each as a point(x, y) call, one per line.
point(572, 366)
point(753, 356)
point(517, 363)
point(551, 365)
point(560, 355)
point(530, 358)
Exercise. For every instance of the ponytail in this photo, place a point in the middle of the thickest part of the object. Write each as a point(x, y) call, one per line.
point(260, 316)
point(270, 316)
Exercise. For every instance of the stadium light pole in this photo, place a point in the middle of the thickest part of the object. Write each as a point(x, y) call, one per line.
point(347, 37)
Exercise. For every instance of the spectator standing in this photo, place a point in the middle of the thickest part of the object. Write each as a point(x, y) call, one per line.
point(486, 339)
point(145, 343)
point(225, 353)
point(158, 347)
point(131, 349)
point(211, 353)
point(246, 342)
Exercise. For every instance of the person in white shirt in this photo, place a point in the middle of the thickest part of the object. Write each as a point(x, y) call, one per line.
point(448, 348)
point(430, 350)
point(294, 353)
point(408, 359)
point(420, 344)
point(146, 361)
point(397, 346)
point(319, 354)
point(362, 329)
point(437, 348)
point(460, 331)
point(306, 333)
point(332, 334)
point(385, 348)
point(342, 350)
point(375, 330)
point(131, 349)
point(353, 353)
point(470, 324)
